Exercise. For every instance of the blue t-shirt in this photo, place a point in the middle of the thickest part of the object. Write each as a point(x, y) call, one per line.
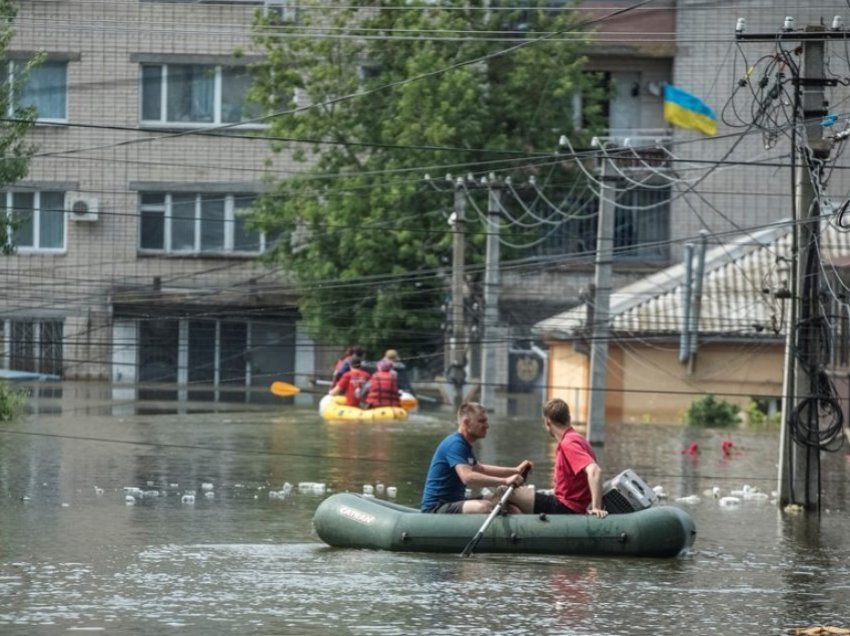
point(442, 485)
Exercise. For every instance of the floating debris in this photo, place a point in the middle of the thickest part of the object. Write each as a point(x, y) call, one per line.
point(98, 491)
point(206, 486)
point(392, 491)
point(187, 499)
point(730, 502)
point(690, 500)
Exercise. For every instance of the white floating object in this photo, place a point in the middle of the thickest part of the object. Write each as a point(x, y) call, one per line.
point(368, 489)
point(209, 494)
point(729, 502)
point(206, 486)
point(379, 488)
point(305, 486)
point(187, 499)
point(287, 488)
point(319, 489)
point(130, 500)
point(690, 500)
point(98, 491)
point(392, 491)
point(174, 485)
point(755, 495)
point(151, 493)
point(712, 492)
point(133, 491)
point(150, 482)
point(65, 505)
point(659, 491)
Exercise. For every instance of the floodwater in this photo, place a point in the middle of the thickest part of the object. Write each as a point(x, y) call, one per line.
point(77, 555)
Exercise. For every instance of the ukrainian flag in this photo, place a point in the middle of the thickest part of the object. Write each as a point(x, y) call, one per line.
point(688, 111)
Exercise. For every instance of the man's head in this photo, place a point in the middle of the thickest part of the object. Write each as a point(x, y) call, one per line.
point(472, 421)
point(556, 412)
point(355, 361)
point(391, 354)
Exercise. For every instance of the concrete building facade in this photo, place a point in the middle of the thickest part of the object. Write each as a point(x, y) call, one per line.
point(134, 262)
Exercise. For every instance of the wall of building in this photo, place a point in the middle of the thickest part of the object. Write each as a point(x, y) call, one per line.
point(647, 383)
point(104, 152)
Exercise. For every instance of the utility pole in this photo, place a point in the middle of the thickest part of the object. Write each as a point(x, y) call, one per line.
point(457, 367)
point(805, 462)
point(799, 465)
point(489, 342)
point(601, 306)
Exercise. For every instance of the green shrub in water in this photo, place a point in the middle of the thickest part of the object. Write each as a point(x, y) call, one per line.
point(713, 413)
point(757, 418)
point(11, 401)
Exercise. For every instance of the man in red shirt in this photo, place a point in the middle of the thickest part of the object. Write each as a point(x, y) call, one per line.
point(578, 478)
point(352, 383)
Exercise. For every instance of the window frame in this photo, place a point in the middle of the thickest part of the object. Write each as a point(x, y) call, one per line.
point(166, 209)
point(163, 88)
point(13, 68)
point(7, 208)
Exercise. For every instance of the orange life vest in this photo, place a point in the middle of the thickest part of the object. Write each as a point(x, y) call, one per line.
point(352, 382)
point(383, 389)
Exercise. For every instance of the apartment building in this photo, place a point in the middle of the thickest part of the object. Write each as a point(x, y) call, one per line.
point(133, 260)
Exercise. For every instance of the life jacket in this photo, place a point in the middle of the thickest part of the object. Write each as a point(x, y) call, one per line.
point(354, 380)
point(383, 389)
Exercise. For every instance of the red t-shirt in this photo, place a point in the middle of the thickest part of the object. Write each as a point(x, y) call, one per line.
point(574, 454)
point(351, 382)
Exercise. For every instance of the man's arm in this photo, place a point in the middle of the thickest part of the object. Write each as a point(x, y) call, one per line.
point(481, 475)
point(594, 480)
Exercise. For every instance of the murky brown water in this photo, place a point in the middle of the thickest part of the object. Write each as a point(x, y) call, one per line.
point(75, 555)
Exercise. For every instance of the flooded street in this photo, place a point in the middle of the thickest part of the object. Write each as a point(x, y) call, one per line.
point(78, 551)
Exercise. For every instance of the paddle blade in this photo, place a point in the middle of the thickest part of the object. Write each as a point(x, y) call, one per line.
point(284, 389)
point(408, 402)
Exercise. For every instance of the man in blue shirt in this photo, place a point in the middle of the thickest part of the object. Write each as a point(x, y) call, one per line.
point(454, 467)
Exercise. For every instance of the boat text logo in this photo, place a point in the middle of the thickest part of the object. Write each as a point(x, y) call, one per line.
point(357, 515)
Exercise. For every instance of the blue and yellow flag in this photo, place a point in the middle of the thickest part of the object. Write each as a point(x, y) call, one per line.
point(688, 111)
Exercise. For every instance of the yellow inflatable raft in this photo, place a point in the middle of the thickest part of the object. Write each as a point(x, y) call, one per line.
point(334, 409)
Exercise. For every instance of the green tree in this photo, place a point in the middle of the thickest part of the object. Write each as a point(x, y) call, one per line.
point(15, 151)
point(397, 90)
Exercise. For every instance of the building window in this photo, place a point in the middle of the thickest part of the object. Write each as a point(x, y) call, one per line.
point(194, 94)
point(198, 223)
point(35, 345)
point(36, 220)
point(45, 88)
point(642, 225)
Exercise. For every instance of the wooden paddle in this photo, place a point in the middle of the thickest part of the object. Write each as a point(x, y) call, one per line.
point(467, 551)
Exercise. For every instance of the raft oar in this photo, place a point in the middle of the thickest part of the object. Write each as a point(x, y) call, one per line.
point(284, 389)
point(467, 551)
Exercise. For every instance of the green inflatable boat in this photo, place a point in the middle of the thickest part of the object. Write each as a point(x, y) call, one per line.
point(347, 520)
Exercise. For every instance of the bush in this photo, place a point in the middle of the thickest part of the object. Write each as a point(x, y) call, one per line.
point(758, 418)
point(711, 412)
point(11, 401)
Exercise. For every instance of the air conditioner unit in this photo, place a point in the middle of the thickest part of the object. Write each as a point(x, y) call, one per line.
point(81, 207)
point(286, 10)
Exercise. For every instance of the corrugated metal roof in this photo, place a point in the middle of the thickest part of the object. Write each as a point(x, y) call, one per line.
point(733, 300)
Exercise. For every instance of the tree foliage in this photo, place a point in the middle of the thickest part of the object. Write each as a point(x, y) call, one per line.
point(15, 150)
point(390, 92)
